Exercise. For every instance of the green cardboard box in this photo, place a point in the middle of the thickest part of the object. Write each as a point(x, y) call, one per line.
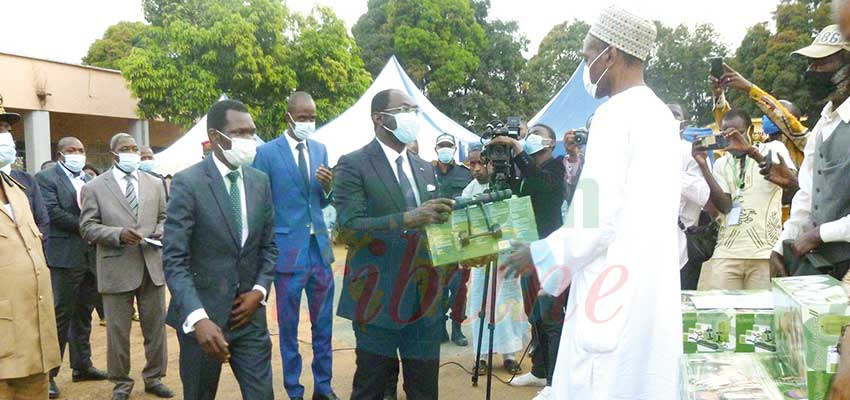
point(726, 329)
point(809, 314)
point(736, 376)
point(514, 216)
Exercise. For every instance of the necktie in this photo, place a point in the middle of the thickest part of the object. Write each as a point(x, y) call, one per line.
point(404, 183)
point(132, 197)
point(302, 166)
point(235, 200)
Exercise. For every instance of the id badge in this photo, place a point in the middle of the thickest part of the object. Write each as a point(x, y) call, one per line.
point(734, 216)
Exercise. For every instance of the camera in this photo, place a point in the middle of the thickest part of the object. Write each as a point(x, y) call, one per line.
point(501, 155)
point(581, 136)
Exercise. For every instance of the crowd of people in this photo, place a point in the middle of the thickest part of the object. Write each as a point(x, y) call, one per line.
point(597, 303)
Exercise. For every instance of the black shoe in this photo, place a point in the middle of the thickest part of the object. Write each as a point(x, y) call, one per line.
point(329, 396)
point(160, 390)
point(457, 335)
point(120, 396)
point(512, 366)
point(53, 390)
point(482, 368)
point(296, 398)
point(88, 374)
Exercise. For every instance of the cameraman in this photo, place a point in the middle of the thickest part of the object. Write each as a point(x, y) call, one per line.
point(541, 178)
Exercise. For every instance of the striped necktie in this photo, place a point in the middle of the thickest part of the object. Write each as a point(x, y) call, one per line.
point(132, 197)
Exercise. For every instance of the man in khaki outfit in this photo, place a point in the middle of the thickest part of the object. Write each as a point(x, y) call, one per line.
point(29, 347)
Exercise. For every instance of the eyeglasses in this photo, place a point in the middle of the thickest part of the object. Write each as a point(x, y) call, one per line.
point(402, 110)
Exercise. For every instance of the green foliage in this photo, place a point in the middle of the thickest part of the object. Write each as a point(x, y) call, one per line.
point(765, 57)
point(117, 43)
point(677, 70)
point(328, 63)
point(494, 90)
point(557, 58)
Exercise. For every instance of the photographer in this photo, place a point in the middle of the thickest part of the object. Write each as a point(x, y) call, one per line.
point(751, 206)
point(573, 162)
point(541, 178)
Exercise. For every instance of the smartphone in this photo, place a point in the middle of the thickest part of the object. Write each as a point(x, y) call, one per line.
point(768, 161)
point(717, 70)
point(712, 142)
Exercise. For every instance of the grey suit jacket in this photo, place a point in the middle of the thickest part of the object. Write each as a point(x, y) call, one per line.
point(206, 265)
point(105, 213)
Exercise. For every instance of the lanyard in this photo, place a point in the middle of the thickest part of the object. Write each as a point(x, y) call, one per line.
point(739, 176)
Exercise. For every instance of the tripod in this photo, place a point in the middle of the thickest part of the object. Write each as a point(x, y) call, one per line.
point(491, 326)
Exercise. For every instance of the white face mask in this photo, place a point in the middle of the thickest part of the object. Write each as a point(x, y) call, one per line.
point(242, 151)
point(7, 149)
point(129, 162)
point(590, 86)
point(302, 130)
point(74, 162)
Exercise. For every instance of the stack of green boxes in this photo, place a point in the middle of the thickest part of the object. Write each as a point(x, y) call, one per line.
point(722, 376)
point(739, 330)
point(809, 314)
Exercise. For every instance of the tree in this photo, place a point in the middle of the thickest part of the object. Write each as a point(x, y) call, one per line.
point(557, 58)
point(677, 69)
point(494, 90)
point(437, 42)
point(327, 62)
point(117, 43)
point(765, 58)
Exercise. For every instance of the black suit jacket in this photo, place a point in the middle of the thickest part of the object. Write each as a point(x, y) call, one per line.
point(545, 185)
point(39, 211)
point(204, 262)
point(389, 280)
point(65, 248)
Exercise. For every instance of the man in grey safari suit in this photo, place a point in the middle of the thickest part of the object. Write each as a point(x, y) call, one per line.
point(123, 212)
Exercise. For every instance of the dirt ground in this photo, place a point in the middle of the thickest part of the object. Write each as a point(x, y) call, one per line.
point(454, 382)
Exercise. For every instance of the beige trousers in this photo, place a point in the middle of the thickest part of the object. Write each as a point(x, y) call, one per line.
point(734, 274)
point(33, 387)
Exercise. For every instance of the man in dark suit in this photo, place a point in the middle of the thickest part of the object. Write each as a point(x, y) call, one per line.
point(71, 275)
point(123, 212)
point(384, 196)
point(219, 260)
point(8, 155)
point(301, 185)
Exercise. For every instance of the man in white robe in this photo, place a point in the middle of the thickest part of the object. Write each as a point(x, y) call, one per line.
point(622, 337)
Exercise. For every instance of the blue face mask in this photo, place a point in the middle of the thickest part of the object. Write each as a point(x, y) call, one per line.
point(147, 165)
point(445, 154)
point(407, 126)
point(129, 162)
point(533, 144)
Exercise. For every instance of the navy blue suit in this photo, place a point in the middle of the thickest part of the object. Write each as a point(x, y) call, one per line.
point(305, 259)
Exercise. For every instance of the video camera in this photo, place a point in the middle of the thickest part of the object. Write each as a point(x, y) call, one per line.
point(501, 155)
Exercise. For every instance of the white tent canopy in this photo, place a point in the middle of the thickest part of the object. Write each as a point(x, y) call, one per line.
point(353, 129)
point(187, 150)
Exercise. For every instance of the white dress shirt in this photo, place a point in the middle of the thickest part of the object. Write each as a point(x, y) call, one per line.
point(695, 193)
point(120, 175)
point(392, 155)
point(800, 220)
point(7, 208)
point(7, 169)
point(200, 314)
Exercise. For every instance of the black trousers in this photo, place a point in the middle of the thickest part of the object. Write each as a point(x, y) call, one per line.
point(250, 359)
point(73, 289)
point(689, 275)
point(546, 315)
point(377, 357)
